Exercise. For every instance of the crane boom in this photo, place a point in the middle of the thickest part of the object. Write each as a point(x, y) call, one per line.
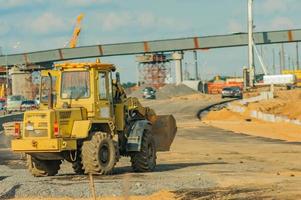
point(76, 31)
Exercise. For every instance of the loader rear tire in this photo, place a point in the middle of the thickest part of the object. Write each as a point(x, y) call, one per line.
point(99, 154)
point(145, 160)
point(40, 168)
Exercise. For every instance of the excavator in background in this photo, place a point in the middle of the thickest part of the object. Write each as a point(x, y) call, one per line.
point(86, 118)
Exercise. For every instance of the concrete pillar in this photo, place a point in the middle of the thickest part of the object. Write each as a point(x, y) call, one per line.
point(177, 57)
point(22, 83)
point(196, 65)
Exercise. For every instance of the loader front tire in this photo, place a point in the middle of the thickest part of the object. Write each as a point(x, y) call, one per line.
point(99, 154)
point(40, 168)
point(145, 159)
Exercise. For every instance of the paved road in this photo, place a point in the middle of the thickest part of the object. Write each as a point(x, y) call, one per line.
point(204, 162)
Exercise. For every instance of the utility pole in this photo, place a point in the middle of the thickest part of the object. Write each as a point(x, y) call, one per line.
point(274, 67)
point(261, 52)
point(196, 64)
point(280, 62)
point(250, 43)
point(297, 56)
point(282, 56)
point(7, 73)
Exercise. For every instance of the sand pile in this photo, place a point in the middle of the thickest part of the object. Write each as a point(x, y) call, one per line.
point(167, 91)
point(172, 90)
point(240, 123)
point(286, 103)
point(224, 114)
point(137, 93)
point(197, 96)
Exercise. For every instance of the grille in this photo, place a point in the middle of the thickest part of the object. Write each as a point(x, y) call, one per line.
point(42, 124)
point(65, 114)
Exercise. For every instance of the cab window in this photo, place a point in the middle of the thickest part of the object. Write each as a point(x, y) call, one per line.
point(102, 82)
point(75, 85)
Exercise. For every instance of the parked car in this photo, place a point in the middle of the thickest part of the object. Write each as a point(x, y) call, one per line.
point(14, 102)
point(2, 104)
point(149, 93)
point(232, 92)
point(28, 105)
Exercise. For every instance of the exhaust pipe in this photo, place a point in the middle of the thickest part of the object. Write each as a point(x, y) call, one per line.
point(50, 95)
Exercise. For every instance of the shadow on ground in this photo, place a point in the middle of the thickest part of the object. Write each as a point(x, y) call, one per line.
point(221, 193)
point(119, 172)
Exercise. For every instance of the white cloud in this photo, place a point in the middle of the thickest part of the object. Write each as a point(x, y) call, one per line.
point(16, 3)
point(273, 6)
point(4, 28)
point(113, 21)
point(282, 23)
point(85, 2)
point(47, 23)
point(234, 26)
point(117, 20)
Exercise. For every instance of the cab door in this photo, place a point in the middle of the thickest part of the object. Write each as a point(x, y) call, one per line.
point(104, 104)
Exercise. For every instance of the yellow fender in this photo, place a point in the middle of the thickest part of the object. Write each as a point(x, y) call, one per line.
point(81, 128)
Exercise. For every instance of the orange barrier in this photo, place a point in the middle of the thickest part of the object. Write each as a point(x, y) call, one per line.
point(216, 88)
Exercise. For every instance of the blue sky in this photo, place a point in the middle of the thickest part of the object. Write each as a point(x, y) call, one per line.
point(30, 25)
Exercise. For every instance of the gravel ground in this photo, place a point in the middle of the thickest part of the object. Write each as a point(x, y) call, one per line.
point(204, 162)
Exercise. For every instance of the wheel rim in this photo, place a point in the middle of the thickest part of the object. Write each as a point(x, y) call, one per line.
point(104, 154)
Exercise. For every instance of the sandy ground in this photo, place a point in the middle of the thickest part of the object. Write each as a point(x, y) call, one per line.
point(287, 103)
point(240, 123)
point(204, 163)
point(162, 195)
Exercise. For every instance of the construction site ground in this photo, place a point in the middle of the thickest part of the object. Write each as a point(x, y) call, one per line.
point(205, 162)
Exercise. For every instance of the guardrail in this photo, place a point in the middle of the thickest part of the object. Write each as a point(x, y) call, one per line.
point(10, 118)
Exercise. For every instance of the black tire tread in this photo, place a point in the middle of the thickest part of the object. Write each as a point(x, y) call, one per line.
point(139, 160)
point(42, 168)
point(89, 154)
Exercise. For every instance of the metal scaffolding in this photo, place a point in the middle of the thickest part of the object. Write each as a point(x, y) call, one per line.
point(154, 70)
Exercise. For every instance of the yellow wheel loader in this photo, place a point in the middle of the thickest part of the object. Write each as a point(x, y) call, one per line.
point(86, 119)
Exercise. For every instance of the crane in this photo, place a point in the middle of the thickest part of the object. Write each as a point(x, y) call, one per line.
point(76, 31)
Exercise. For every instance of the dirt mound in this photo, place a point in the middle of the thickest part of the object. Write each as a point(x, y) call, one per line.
point(167, 91)
point(240, 123)
point(172, 90)
point(136, 93)
point(286, 103)
point(197, 96)
point(224, 115)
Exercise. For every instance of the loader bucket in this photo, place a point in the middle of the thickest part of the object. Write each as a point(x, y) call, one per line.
point(164, 131)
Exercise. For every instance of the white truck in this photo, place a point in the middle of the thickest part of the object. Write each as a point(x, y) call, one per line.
point(288, 80)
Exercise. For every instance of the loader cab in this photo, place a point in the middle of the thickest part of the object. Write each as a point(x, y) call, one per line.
point(87, 85)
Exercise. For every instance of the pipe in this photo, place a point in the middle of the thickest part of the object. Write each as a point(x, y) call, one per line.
point(50, 95)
